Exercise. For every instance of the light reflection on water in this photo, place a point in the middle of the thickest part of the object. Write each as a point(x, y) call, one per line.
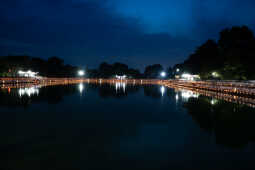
point(162, 90)
point(185, 95)
point(81, 88)
point(120, 86)
point(214, 101)
point(150, 131)
point(29, 91)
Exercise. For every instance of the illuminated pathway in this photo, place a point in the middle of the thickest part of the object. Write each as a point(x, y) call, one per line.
point(236, 92)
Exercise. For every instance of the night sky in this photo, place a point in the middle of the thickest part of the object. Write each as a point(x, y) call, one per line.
point(136, 32)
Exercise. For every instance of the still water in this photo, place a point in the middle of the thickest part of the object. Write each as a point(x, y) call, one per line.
point(120, 126)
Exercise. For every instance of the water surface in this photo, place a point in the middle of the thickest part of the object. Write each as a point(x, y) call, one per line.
point(120, 126)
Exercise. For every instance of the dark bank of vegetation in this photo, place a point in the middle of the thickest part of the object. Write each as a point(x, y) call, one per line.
point(106, 70)
point(230, 58)
point(53, 67)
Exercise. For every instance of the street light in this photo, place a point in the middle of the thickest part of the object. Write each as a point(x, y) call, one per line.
point(163, 74)
point(81, 73)
point(177, 70)
point(215, 74)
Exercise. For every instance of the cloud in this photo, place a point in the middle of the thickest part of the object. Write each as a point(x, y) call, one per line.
point(83, 32)
point(194, 19)
point(136, 32)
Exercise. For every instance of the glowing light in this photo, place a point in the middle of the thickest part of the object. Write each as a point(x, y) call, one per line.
point(163, 74)
point(177, 97)
point(162, 89)
point(188, 94)
point(215, 74)
point(81, 87)
point(121, 77)
point(177, 70)
point(28, 73)
point(28, 91)
point(120, 85)
point(187, 76)
point(81, 73)
point(214, 101)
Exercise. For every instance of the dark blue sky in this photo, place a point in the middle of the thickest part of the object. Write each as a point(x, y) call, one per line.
point(136, 32)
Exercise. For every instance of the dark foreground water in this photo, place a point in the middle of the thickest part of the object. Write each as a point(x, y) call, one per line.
point(122, 127)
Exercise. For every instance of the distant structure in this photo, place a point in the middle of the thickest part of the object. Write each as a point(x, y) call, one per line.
point(188, 77)
point(121, 77)
point(28, 73)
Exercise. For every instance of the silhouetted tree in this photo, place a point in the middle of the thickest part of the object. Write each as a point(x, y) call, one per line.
point(232, 57)
point(106, 70)
point(169, 72)
point(53, 67)
point(153, 71)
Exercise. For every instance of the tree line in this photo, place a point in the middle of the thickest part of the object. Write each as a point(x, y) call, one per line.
point(106, 70)
point(55, 67)
point(229, 58)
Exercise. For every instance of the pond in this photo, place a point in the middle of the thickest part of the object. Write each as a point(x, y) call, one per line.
point(120, 126)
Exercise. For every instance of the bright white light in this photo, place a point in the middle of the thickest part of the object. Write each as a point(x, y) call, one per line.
point(177, 70)
point(121, 77)
point(81, 87)
point(214, 101)
point(215, 74)
point(187, 76)
point(188, 94)
point(162, 89)
point(21, 72)
point(163, 74)
point(28, 91)
point(119, 86)
point(124, 87)
point(177, 97)
point(28, 73)
point(81, 73)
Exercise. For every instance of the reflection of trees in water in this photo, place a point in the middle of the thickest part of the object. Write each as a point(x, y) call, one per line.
point(55, 94)
point(50, 94)
point(111, 90)
point(232, 124)
point(152, 91)
point(74, 141)
point(13, 100)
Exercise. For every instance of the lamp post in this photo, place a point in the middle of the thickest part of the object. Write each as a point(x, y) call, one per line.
point(163, 74)
point(215, 74)
point(81, 73)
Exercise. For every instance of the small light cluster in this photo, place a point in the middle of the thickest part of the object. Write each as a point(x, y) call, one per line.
point(28, 73)
point(81, 73)
point(28, 91)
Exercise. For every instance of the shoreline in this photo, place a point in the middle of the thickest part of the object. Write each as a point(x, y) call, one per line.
point(234, 92)
point(246, 89)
